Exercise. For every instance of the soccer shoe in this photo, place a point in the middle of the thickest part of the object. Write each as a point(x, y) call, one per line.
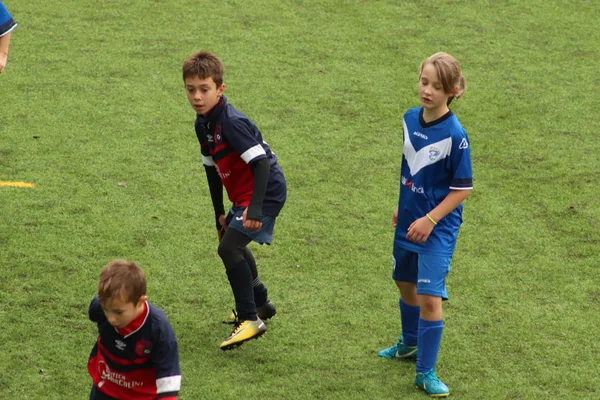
point(399, 350)
point(430, 383)
point(244, 331)
point(264, 312)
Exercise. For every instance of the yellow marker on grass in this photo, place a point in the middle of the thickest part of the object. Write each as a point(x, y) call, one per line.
point(17, 184)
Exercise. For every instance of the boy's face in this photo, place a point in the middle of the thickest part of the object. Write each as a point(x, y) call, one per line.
point(120, 312)
point(203, 93)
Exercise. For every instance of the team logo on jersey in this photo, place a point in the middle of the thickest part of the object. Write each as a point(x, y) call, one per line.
point(463, 144)
point(143, 347)
point(210, 137)
point(120, 344)
point(434, 153)
point(218, 135)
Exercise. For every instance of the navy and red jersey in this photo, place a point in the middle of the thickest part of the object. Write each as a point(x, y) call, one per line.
point(230, 141)
point(138, 362)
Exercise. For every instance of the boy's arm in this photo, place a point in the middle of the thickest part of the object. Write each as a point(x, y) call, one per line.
point(215, 187)
point(166, 363)
point(261, 170)
point(95, 310)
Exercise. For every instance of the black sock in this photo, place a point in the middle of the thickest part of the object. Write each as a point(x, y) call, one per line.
point(260, 292)
point(240, 279)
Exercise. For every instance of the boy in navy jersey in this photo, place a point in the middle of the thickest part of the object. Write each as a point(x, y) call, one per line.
point(7, 24)
point(436, 178)
point(235, 155)
point(135, 356)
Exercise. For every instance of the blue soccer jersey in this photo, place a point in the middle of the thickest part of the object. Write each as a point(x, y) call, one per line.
point(436, 159)
point(7, 24)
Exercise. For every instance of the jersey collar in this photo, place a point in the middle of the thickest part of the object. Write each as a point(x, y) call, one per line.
point(435, 121)
point(137, 323)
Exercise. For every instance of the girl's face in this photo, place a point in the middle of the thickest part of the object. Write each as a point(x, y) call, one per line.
point(431, 91)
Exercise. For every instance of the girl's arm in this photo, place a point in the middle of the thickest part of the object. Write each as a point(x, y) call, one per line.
point(420, 229)
point(453, 200)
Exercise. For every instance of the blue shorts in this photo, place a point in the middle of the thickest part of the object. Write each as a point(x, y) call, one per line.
point(261, 236)
point(427, 271)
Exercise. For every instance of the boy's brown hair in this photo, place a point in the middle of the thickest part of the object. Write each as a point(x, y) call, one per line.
point(204, 64)
point(122, 278)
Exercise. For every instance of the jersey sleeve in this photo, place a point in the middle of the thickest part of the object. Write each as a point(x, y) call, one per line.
point(7, 23)
point(95, 310)
point(462, 177)
point(166, 362)
point(245, 139)
point(207, 159)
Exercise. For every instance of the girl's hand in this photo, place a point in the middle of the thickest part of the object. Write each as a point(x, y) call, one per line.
point(395, 217)
point(251, 224)
point(419, 230)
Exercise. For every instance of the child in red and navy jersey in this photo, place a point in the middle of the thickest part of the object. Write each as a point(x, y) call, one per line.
point(235, 155)
point(135, 356)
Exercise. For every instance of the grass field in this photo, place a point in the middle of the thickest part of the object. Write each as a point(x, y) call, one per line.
point(92, 110)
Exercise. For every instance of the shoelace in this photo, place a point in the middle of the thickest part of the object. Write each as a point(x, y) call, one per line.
point(431, 375)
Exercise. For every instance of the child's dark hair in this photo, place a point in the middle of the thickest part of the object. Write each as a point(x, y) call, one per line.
point(121, 278)
point(449, 73)
point(204, 64)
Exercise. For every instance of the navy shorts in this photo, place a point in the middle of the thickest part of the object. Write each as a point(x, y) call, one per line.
point(98, 395)
point(261, 236)
point(427, 271)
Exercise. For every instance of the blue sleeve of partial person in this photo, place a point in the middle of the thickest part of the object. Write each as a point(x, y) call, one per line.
point(7, 24)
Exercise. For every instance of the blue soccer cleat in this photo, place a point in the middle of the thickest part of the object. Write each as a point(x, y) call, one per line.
point(430, 383)
point(400, 351)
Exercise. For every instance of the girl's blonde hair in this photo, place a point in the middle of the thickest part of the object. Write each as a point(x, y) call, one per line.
point(449, 73)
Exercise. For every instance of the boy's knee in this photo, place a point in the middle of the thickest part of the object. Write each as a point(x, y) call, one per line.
point(230, 255)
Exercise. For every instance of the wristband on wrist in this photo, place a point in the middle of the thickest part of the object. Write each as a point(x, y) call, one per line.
point(431, 219)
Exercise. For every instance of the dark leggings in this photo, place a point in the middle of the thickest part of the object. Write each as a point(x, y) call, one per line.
point(232, 249)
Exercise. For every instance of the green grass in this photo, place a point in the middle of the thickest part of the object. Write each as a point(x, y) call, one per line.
point(92, 109)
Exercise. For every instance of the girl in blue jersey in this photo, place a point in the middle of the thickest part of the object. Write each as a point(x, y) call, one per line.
point(7, 24)
point(435, 179)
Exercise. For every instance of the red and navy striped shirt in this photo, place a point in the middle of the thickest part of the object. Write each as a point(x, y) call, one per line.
point(230, 141)
point(138, 362)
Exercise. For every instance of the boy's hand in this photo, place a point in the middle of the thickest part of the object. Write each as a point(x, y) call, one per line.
point(395, 217)
point(223, 223)
point(251, 224)
point(419, 230)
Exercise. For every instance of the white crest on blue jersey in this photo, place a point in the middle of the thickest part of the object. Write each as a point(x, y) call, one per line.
point(463, 144)
point(430, 154)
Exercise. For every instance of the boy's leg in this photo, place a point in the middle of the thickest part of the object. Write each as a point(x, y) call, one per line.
point(405, 274)
point(431, 290)
point(260, 290)
point(238, 272)
point(249, 326)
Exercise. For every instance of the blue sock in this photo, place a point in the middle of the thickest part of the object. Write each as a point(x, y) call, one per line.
point(430, 336)
point(409, 318)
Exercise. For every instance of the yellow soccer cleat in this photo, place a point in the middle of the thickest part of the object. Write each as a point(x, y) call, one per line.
point(264, 312)
point(244, 331)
